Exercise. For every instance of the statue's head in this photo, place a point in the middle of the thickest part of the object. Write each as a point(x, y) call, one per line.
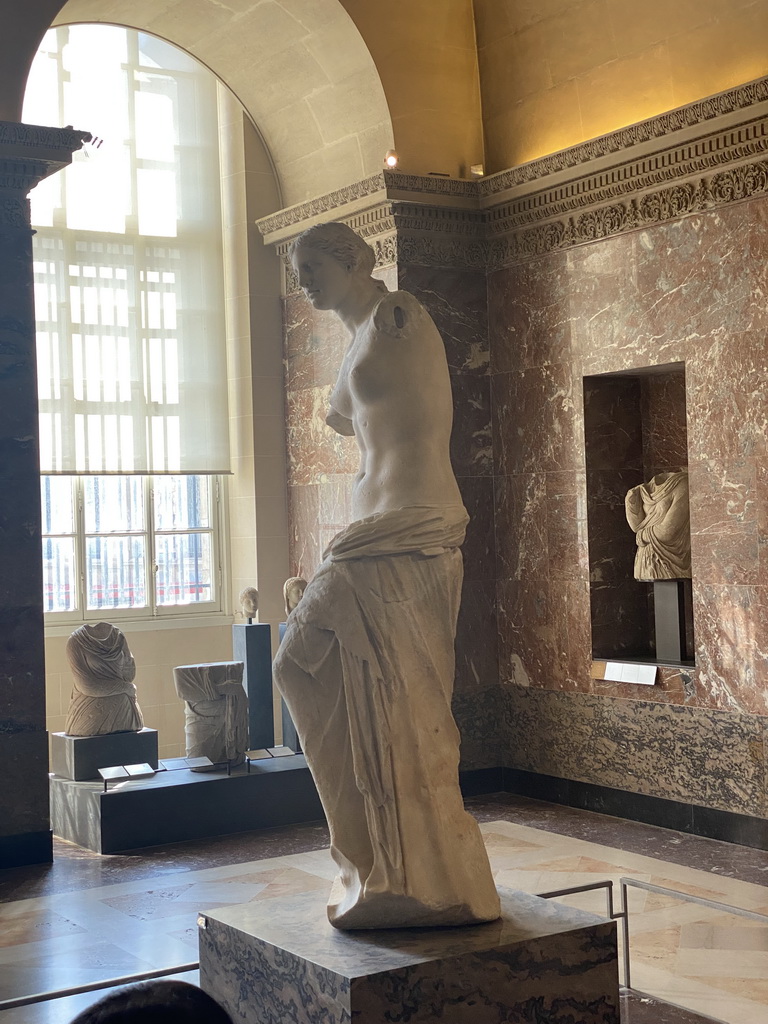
point(339, 241)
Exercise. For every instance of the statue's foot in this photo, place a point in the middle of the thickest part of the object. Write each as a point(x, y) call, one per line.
point(352, 911)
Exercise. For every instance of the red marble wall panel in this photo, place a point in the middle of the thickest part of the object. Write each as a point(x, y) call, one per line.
point(688, 292)
point(663, 415)
point(457, 302)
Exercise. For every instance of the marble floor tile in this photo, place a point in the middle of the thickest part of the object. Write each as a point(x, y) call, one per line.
point(90, 918)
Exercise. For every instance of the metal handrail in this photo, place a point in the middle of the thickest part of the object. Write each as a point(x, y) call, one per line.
point(94, 986)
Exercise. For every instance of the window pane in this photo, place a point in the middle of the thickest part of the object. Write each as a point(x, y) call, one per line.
point(184, 569)
point(115, 572)
point(59, 575)
point(182, 502)
point(57, 504)
point(114, 504)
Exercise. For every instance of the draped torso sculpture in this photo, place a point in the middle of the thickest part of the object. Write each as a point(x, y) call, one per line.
point(104, 696)
point(658, 512)
point(215, 710)
point(367, 662)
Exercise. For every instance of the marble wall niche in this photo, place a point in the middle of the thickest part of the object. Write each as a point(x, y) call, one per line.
point(689, 291)
point(634, 428)
point(322, 466)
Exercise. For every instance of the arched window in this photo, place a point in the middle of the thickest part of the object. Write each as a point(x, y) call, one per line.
point(131, 340)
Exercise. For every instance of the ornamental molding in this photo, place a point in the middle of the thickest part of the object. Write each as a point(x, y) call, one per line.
point(730, 102)
point(688, 161)
point(14, 134)
point(30, 152)
point(14, 213)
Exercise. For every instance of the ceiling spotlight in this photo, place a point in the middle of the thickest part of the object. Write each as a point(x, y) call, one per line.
point(390, 159)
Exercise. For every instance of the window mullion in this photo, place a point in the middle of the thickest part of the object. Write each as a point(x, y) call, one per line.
point(149, 519)
point(80, 544)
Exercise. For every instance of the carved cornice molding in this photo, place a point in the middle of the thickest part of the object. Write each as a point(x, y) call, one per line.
point(747, 181)
point(14, 134)
point(29, 153)
point(694, 114)
point(690, 160)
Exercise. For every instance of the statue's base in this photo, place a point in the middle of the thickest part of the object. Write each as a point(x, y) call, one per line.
point(280, 959)
point(79, 758)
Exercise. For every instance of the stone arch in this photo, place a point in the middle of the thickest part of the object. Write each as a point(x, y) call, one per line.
point(300, 68)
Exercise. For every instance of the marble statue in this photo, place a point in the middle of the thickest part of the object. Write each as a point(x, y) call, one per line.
point(658, 513)
point(104, 695)
point(293, 591)
point(249, 602)
point(216, 710)
point(366, 665)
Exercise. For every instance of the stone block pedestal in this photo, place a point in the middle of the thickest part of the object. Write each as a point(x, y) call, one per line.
point(541, 963)
point(79, 757)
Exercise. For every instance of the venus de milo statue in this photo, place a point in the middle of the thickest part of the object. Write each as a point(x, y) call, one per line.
point(367, 662)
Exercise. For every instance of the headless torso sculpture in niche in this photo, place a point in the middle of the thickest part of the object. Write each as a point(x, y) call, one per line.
point(658, 512)
point(367, 662)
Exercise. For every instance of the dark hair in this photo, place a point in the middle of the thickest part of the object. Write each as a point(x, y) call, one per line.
point(156, 1002)
point(340, 241)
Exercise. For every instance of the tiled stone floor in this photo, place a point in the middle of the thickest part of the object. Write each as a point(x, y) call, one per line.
point(89, 917)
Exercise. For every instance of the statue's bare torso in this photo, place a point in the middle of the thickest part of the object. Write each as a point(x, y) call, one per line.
point(393, 392)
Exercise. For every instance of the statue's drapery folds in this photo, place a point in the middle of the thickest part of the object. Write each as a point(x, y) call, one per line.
point(216, 710)
point(367, 667)
point(658, 512)
point(104, 695)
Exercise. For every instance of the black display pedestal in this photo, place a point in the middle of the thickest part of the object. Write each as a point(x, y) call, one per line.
point(79, 757)
point(252, 644)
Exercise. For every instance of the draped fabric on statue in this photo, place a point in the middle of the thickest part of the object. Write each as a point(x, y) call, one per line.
point(366, 667)
point(104, 696)
point(658, 513)
point(216, 710)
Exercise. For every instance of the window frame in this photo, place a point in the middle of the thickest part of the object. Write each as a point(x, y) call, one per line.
point(152, 614)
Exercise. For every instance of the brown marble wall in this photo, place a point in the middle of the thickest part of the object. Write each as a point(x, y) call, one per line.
point(688, 292)
point(322, 465)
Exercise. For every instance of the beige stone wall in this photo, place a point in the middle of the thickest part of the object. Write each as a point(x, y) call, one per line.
point(557, 72)
point(426, 56)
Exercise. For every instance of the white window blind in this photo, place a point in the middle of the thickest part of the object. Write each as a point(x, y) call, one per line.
point(128, 265)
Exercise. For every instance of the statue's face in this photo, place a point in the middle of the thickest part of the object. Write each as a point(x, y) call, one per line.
point(325, 281)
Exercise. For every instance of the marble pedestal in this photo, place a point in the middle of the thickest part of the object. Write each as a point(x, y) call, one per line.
point(280, 960)
point(80, 757)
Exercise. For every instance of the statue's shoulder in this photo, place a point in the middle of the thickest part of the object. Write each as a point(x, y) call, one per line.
point(399, 315)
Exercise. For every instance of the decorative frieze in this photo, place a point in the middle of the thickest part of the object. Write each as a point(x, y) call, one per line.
point(699, 157)
point(29, 153)
point(724, 105)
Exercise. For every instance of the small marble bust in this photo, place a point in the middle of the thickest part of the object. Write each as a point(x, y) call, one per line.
point(104, 695)
point(249, 602)
point(658, 512)
point(293, 591)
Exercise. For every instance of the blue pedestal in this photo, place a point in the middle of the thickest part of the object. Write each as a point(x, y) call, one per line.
point(252, 644)
point(290, 736)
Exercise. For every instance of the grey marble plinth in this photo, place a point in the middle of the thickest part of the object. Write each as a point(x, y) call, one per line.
point(277, 960)
point(80, 757)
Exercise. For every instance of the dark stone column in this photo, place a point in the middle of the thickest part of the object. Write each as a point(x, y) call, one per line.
point(28, 154)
